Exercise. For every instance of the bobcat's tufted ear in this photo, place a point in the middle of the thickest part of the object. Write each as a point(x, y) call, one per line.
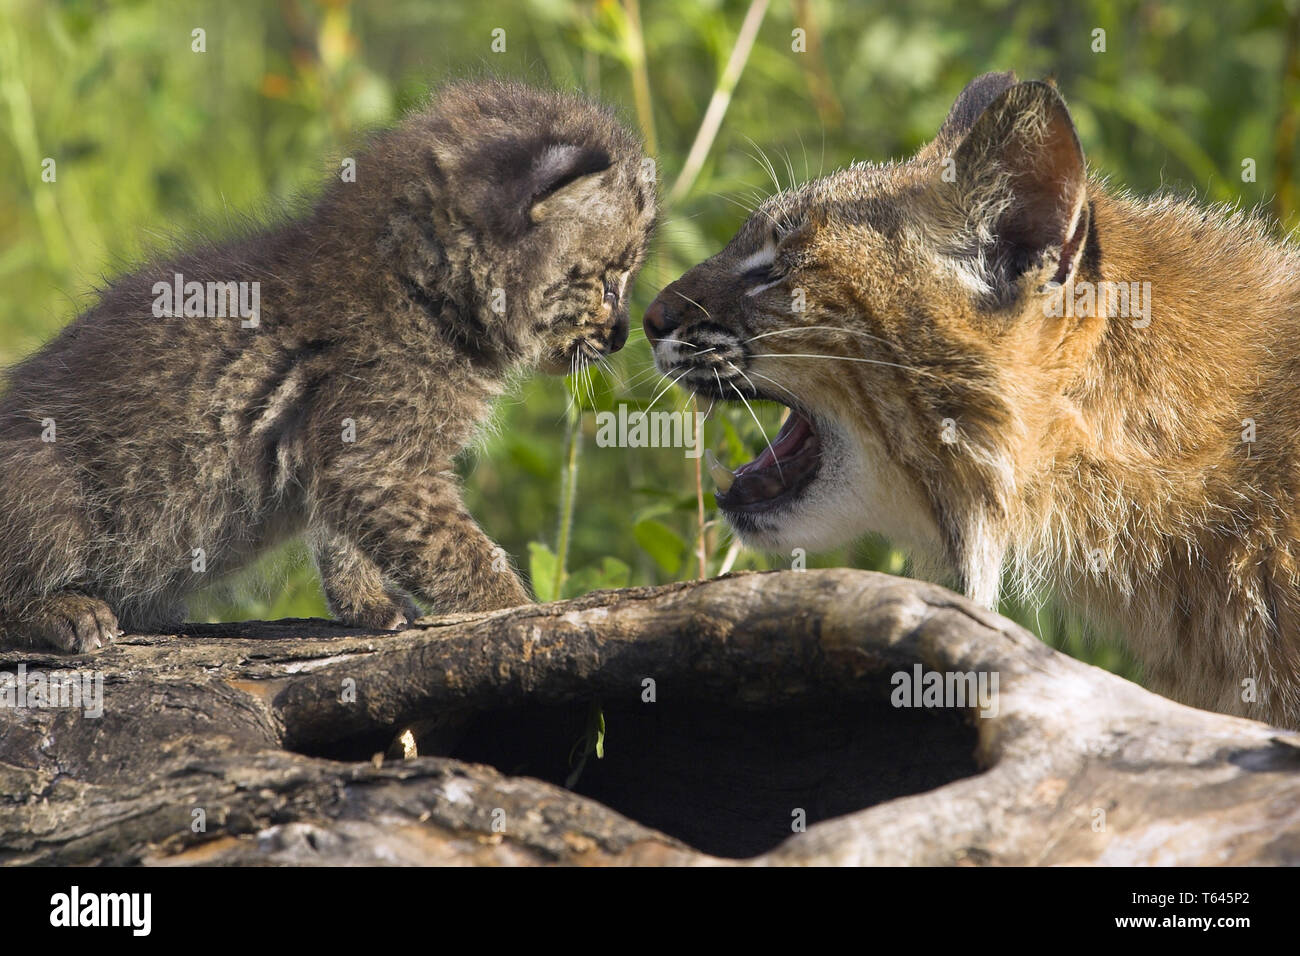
point(510, 185)
point(971, 102)
point(1022, 182)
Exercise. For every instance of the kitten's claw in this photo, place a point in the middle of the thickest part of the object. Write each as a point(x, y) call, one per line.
point(395, 614)
point(69, 623)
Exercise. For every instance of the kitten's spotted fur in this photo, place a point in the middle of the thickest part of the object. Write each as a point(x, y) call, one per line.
point(494, 232)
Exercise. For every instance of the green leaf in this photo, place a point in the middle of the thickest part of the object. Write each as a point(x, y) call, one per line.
point(653, 511)
point(662, 543)
point(615, 573)
point(541, 568)
point(737, 455)
point(531, 457)
point(611, 573)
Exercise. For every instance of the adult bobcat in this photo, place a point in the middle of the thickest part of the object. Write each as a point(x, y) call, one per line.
point(1029, 374)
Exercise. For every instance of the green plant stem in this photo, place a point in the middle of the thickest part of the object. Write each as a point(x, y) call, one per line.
point(701, 552)
point(813, 64)
point(719, 102)
point(568, 491)
point(1287, 125)
point(640, 76)
point(22, 129)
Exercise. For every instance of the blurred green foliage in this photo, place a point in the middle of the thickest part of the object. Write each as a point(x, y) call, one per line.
point(153, 139)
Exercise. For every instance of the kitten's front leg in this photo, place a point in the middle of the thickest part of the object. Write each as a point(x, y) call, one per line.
point(354, 586)
point(419, 534)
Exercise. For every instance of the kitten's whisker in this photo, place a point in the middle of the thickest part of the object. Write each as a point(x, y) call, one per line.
point(577, 379)
point(568, 409)
point(610, 373)
point(581, 380)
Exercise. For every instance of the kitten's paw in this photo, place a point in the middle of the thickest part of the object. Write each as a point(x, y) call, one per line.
point(69, 623)
point(395, 613)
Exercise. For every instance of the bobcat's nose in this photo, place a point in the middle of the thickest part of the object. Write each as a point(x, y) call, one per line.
point(659, 322)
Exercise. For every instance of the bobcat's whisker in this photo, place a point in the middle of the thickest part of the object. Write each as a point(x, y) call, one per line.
point(768, 378)
point(815, 328)
point(766, 164)
point(652, 370)
point(789, 167)
point(745, 206)
point(741, 371)
point(640, 377)
point(694, 303)
point(663, 390)
point(753, 209)
point(846, 358)
point(760, 429)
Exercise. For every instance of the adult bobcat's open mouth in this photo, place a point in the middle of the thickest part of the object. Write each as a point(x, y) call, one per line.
point(780, 474)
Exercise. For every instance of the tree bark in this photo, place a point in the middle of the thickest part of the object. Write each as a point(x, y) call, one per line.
point(736, 709)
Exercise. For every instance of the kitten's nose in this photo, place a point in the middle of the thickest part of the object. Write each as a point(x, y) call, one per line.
point(618, 334)
point(659, 322)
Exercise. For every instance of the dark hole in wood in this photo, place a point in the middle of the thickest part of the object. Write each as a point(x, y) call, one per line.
point(728, 781)
point(723, 779)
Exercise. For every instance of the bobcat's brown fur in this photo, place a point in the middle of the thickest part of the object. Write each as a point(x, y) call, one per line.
point(971, 416)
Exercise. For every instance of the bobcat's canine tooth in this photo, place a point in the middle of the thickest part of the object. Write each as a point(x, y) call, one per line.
point(722, 476)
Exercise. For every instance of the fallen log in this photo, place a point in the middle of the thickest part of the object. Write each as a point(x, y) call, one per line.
point(738, 711)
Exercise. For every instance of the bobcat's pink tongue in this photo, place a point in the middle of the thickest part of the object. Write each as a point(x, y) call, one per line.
point(793, 434)
point(783, 468)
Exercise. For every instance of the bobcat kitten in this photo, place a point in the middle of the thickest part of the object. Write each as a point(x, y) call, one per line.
point(320, 377)
point(997, 359)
